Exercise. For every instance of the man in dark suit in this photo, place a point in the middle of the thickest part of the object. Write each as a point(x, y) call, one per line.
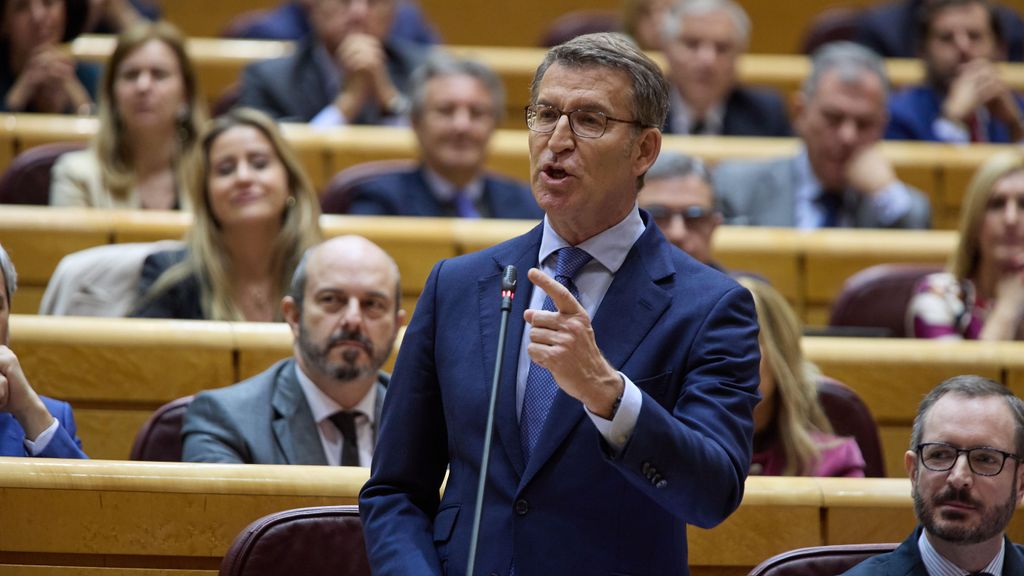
point(30, 424)
point(323, 405)
point(840, 178)
point(456, 105)
point(963, 99)
point(702, 41)
point(891, 30)
point(611, 434)
point(344, 72)
point(963, 504)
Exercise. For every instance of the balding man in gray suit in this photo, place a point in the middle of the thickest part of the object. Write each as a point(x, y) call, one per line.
point(322, 406)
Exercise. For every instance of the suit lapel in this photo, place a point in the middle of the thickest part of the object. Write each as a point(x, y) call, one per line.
point(293, 425)
point(626, 314)
point(523, 255)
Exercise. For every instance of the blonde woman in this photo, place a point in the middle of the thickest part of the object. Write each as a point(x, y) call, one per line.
point(150, 114)
point(981, 297)
point(255, 212)
point(792, 436)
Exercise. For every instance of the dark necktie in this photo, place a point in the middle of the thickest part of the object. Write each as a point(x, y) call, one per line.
point(540, 384)
point(698, 127)
point(831, 203)
point(345, 421)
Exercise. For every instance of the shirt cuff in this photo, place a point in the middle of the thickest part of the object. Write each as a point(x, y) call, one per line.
point(329, 117)
point(946, 130)
point(35, 447)
point(892, 203)
point(618, 430)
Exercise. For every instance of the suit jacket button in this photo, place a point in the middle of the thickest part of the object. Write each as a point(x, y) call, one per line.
point(522, 507)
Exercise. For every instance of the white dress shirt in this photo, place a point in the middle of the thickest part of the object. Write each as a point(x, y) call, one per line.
point(322, 407)
point(936, 565)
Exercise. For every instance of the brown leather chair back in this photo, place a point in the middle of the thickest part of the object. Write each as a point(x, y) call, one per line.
point(850, 416)
point(317, 541)
point(27, 179)
point(159, 439)
point(830, 25)
point(819, 560)
point(337, 197)
point(580, 22)
point(877, 297)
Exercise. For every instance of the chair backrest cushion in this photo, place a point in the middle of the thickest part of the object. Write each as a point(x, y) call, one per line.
point(877, 297)
point(316, 541)
point(337, 197)
point(27, 179)
point(159, 439)
point(850, 416)
point(820, 560)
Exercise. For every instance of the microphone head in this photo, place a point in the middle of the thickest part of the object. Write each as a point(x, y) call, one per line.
point(508, 280)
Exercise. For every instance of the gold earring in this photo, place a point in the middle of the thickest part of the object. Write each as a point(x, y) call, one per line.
point(290, 202)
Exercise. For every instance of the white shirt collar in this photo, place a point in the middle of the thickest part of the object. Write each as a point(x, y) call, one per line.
point(323, 406)
point(681, 122)
point(609, 248)
point(445, 191)
point(937, 565)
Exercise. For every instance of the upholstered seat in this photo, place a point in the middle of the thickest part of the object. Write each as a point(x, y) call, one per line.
point(27, 179)
point(819, 560)
point(850, 416)
point(317, 541)
point(159, 439)
point(877, 297)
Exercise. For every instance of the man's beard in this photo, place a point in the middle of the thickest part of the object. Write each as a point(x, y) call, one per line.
point(994, 519)
point(349, 368)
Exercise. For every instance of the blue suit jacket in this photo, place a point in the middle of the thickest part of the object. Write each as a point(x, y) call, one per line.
point(906, 561)
point(912, 112)
point(752, 112)
point(64, 444)
point(685, 334)
point(891, 30)
point(406, 193)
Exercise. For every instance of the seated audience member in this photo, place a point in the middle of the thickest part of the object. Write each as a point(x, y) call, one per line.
point(36, 74)
point(678, 195)
point(345, 71)
point(963, 98)
point(702, 41)
point(290, 21)
point(964, 505)
point(981, 297)
point(840, 178)
point(254, 213)
point(150, 113)
point(323, 405)
point(642, 20)
point(792, 435)
point(890, 29)
point(456, 105)
point(30, 425)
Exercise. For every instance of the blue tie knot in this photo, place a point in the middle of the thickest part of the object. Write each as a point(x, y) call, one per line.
point(569, 261)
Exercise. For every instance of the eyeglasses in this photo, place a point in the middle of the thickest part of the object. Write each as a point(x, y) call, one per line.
point(584, 123)
point(691, 215)
point(984, 461)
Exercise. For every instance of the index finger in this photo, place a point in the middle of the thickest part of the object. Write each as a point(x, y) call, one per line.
point(560, 296)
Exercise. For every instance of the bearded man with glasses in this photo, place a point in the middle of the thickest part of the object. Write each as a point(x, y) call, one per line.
point(964, 466)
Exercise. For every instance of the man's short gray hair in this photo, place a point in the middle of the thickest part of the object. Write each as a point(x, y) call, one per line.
point(440, 64)
point(971, 386)
point(673, 24)
point(618, 52)
point(10, 275)
point(672, 164)
point(849, 60)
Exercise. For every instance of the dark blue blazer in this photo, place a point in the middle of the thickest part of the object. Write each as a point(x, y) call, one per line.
point(906, 561)
point(684, 333)
point(891, 30)
point(912, 112)
point(752, 112)
point(64, 444)
point(289, 22)
point(294, 89)
point(406, 193)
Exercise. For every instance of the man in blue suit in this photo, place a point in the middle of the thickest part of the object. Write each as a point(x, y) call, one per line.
point(611, 434)
point(30, 425)
point(963, 504)
point(963, 99)
point(456, 106)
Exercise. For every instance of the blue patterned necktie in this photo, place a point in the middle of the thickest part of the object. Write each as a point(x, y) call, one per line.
point(540, 384)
